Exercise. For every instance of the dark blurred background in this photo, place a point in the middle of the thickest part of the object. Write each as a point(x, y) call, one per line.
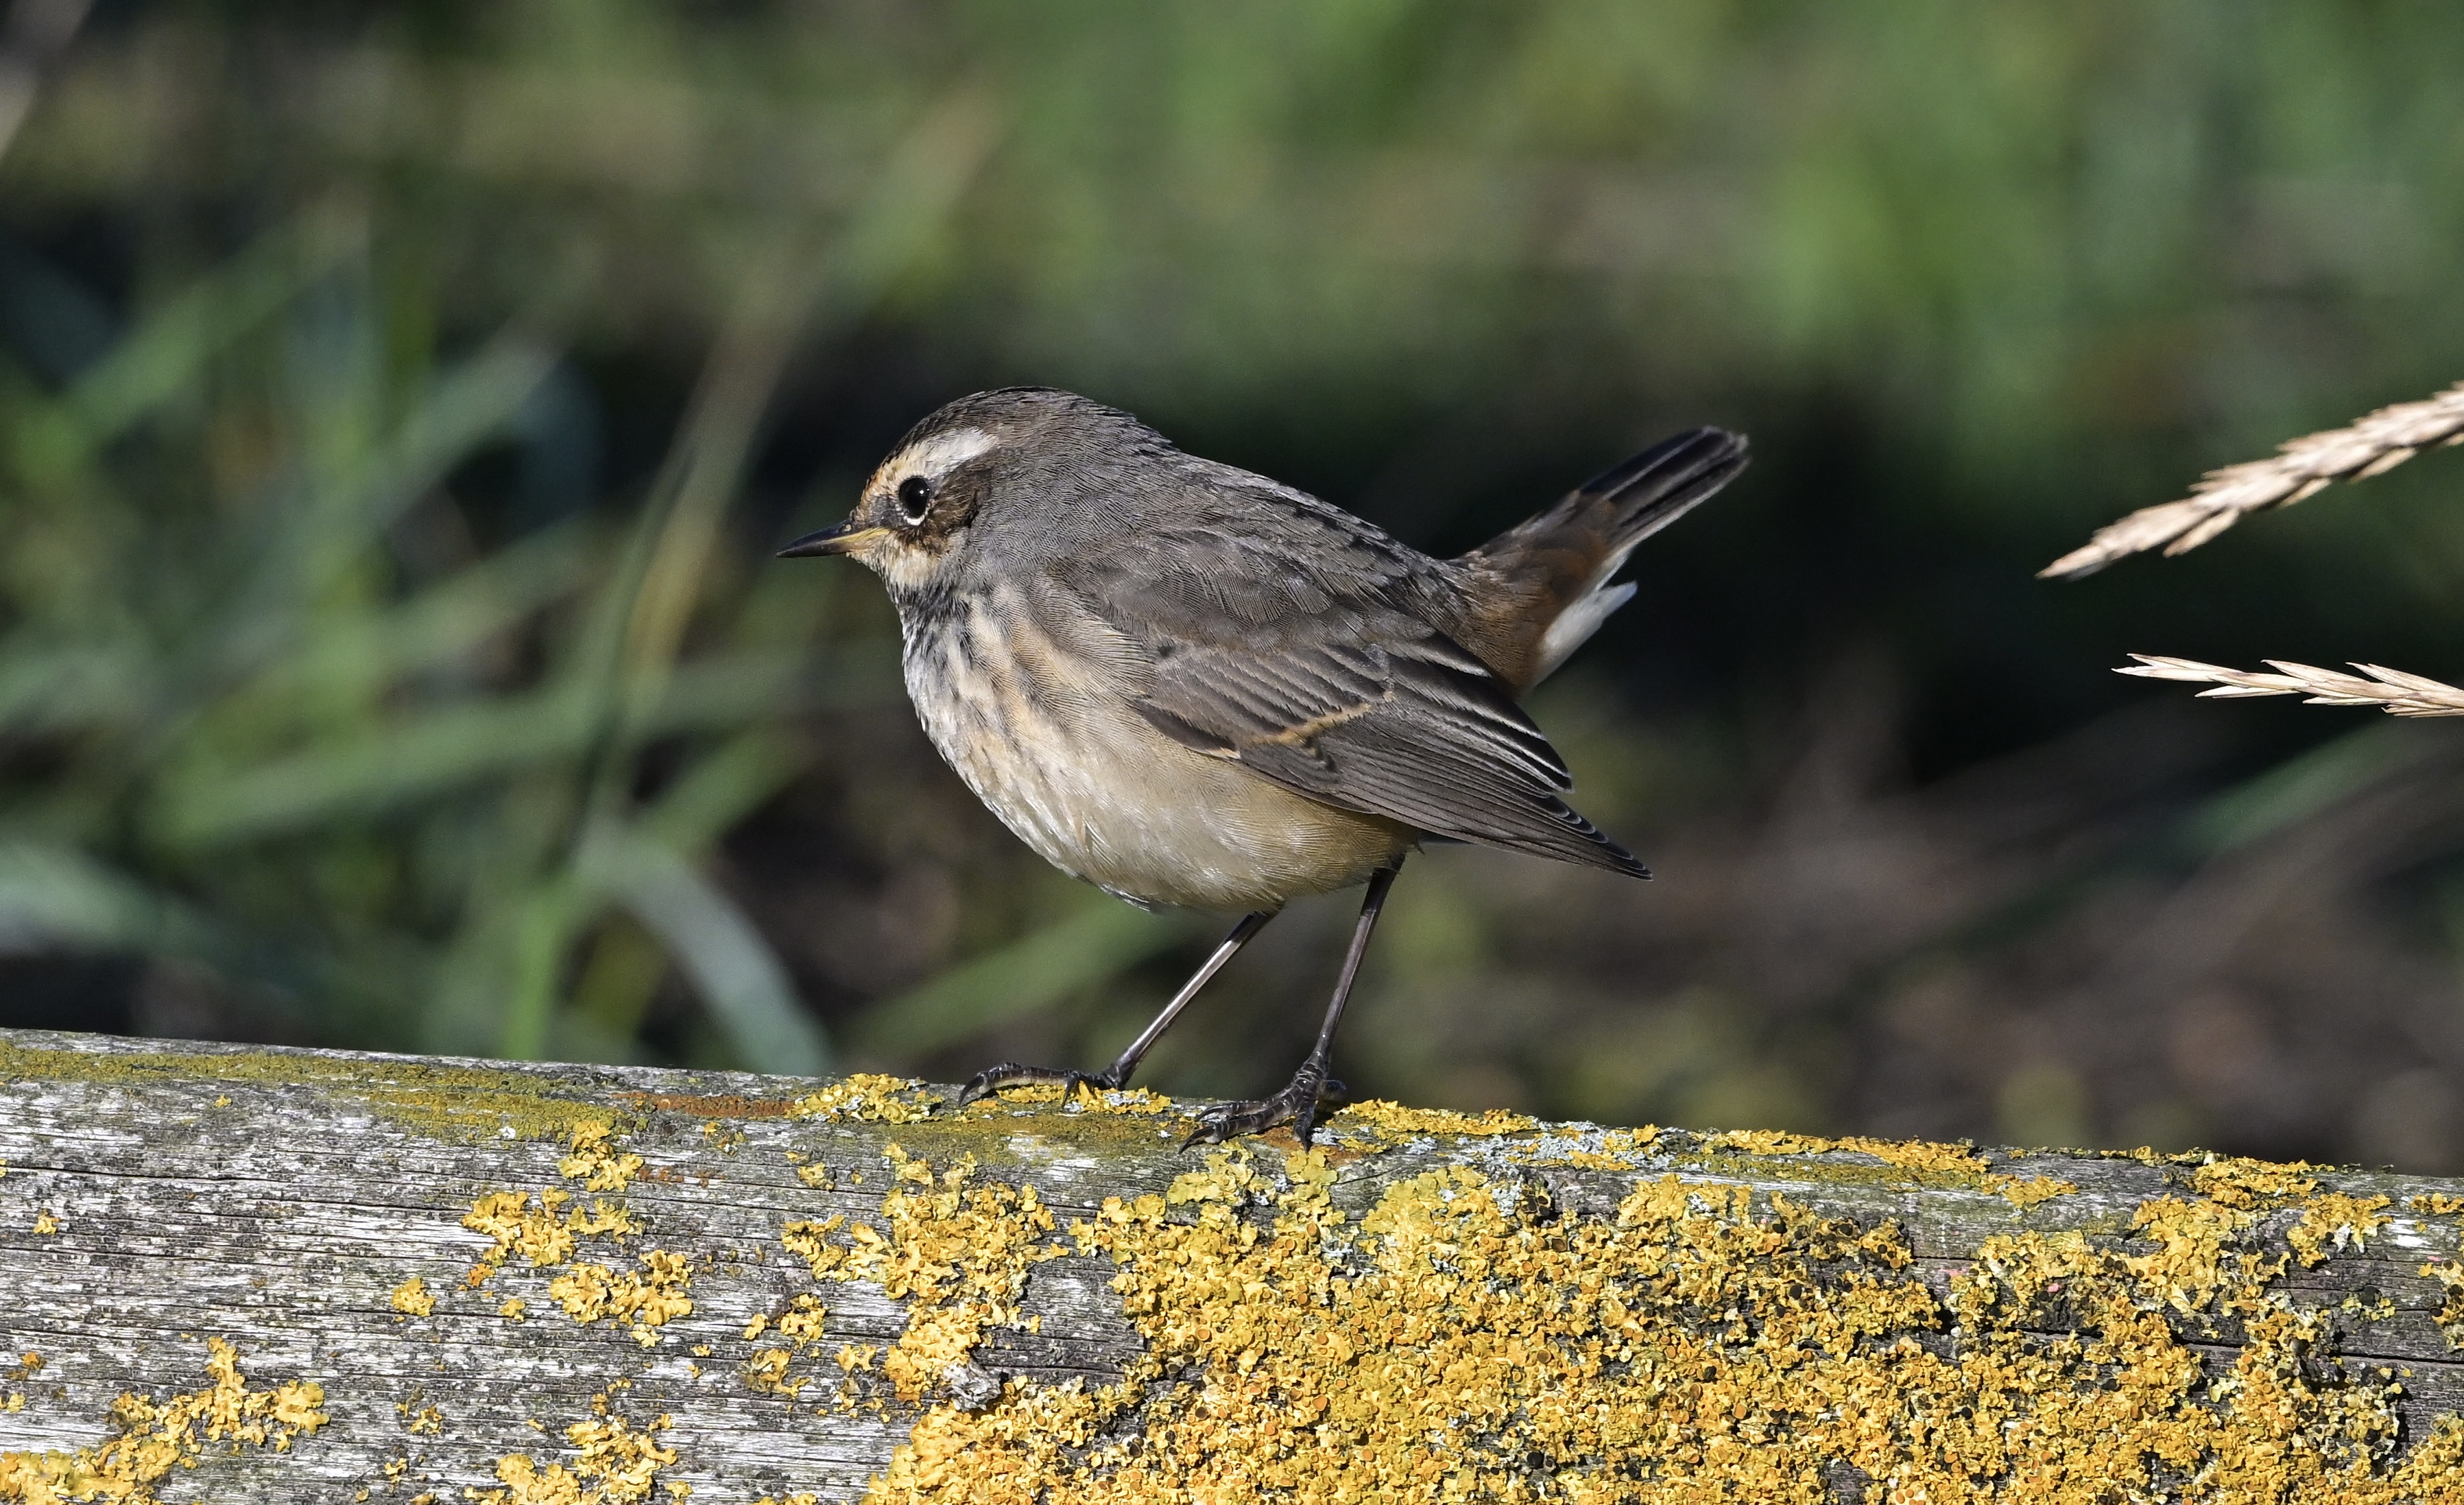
point(397, 404)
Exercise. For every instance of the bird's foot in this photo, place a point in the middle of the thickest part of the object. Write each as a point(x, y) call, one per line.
point(1009, 1073)
point(1297, 1105)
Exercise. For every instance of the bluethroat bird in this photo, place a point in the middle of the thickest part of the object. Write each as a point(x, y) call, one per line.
point(1189, 685)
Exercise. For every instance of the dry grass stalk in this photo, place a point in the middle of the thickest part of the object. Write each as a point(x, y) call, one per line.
point(2391, 690)
point(2301, 467)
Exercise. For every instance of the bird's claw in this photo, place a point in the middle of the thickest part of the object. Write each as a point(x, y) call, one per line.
point(1297, 1105)
point(1009, 1073)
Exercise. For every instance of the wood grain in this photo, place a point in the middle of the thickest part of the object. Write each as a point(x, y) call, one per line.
point(159, 1197)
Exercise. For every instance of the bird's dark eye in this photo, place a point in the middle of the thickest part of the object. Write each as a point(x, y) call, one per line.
point(914, 495)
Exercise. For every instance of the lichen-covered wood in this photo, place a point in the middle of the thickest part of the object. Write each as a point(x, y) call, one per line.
point(303, 1275)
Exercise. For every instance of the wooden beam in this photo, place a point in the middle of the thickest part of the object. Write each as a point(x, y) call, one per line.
point(295, 1275)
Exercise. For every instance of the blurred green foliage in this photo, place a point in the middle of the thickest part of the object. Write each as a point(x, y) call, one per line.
point(398, 402)
point(280, 711)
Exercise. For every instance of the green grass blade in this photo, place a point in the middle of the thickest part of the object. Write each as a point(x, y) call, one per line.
point(2302, 786)
point(160, 361)
point(721, 788)
point(1097, 942)
point(334, 522)
point(427, 754)
point(738, 977)
point(51, 687)
point(359, 653)
point(54, 897)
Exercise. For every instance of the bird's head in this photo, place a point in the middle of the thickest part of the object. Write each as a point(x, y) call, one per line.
point(992, 463)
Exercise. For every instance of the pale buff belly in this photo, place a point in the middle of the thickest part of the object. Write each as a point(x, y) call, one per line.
point(1102, 795)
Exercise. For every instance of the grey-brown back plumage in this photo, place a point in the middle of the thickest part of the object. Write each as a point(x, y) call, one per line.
point(1283, 639)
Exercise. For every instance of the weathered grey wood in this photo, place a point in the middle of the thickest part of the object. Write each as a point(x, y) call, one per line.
point(159, 1196)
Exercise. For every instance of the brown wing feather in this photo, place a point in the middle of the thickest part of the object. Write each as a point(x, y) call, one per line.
point(1328, 678)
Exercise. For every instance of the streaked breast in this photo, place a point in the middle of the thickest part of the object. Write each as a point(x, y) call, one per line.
point(1032, 709)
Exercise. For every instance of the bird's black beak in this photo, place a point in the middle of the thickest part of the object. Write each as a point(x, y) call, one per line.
point(843, 539)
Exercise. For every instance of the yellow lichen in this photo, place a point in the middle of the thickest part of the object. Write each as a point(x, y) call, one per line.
point(45, 1223)
point(958, 1253)
point(2027, 1193)
point(616, 1465)
point(1392, 1120)
point(1084, 1097)
point(529, 1225)
point(2015, 1272)
point(1947, 1161)
point(513, 1309)
point(1022, 1092)
point(594, 1160)
point(766, 1371)
point(2377, 1307)
point(2337, 1220)
point(546, 1233)
point(810, 1242)
point(803, 1320)
point(2188, 1267)
point(1943, 1160)
point(2449, 1275)
point(159, 1435)
point(867, 1097)
point(2437, 1204)
point(1461, 1340)
point(412, 1298)
point(1768, 1142)
point(1592, 1160)
point(644, 1301)
point(2251, 1183)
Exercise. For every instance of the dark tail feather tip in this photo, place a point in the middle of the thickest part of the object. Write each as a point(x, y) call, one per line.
point(1699, 450)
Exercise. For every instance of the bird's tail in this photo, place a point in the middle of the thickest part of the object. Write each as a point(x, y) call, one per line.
point(1536, 591)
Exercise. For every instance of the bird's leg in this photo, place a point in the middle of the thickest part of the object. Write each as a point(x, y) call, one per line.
point(992, 1078)
point(1297, 1103)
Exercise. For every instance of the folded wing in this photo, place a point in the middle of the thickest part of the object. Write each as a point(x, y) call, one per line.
point(1327, 676)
